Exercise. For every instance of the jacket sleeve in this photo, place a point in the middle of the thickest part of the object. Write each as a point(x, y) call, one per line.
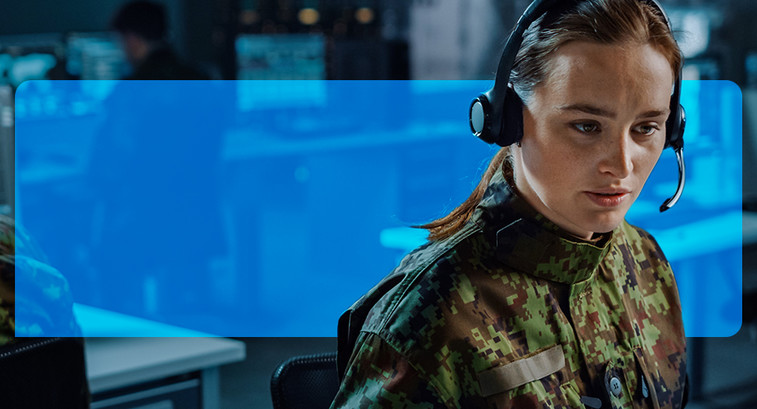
point(378, 376)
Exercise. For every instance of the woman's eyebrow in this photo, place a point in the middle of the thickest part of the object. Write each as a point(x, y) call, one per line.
point(589, 109)
point(599, 111)
point(655, 113)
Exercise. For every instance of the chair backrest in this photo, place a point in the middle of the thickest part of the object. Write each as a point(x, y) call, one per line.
point(308, 381)
point(43, 373)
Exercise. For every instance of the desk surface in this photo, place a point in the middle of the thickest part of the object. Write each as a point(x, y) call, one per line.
point(98, 322)
point(117, 362)
point(749, 228)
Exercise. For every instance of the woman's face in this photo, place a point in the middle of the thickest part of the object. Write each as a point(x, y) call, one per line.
point(593, 131)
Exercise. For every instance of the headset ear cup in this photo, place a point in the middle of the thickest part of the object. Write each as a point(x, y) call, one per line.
point(512, 128)
point(479, 118)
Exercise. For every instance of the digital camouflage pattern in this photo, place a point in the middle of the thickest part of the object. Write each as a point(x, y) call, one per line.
point(46, 305)
point(472, 321)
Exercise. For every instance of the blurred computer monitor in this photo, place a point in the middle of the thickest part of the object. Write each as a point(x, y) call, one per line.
point(28, 57)
point(6, 151)
point(702, 68)
point(95, 56)
point(280, 57)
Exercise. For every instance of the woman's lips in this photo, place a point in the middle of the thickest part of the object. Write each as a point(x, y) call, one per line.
point(608, 198)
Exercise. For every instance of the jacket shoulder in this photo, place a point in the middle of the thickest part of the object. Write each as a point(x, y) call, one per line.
point(430, 276)
point(370, 312)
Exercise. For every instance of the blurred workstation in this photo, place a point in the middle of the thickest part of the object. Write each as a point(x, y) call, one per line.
point(306, 189)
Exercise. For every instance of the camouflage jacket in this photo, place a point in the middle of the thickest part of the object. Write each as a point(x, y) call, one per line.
point(45, 302)
point(43, 305)
point(513, 312)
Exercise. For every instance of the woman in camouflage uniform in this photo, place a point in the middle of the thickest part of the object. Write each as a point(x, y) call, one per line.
point(535, 292)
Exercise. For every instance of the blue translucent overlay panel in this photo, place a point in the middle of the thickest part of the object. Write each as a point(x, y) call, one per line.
point(265, 208)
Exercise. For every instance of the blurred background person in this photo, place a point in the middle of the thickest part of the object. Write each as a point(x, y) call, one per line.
point(149, 225)
point(143, 30)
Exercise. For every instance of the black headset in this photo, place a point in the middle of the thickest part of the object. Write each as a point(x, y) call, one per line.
point(496, 116)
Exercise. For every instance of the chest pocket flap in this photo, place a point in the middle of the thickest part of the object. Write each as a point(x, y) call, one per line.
point(522, 371)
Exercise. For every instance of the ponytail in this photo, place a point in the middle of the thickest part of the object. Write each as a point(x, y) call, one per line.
point(450, 224)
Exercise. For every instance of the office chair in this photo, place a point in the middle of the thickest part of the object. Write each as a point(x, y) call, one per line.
point(308, 382)
point(43, 373)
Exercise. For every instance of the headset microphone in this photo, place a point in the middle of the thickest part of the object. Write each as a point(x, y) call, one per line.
point(677, 146)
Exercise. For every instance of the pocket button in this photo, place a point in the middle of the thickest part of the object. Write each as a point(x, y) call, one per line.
point(615, 386)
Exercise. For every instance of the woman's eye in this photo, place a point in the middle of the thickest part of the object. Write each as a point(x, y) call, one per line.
point(586, 127)
point(646, 129)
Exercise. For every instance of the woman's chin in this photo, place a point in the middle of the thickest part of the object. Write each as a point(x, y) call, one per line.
point(606, 226)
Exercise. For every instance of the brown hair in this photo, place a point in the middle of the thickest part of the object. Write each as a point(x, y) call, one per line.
point(600, 21)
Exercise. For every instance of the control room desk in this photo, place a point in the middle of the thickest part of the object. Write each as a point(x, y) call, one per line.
point(143, 371)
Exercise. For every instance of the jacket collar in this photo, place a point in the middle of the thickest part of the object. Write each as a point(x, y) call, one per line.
point(531, 243)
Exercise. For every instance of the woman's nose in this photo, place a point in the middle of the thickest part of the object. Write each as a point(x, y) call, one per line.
point(617, 160)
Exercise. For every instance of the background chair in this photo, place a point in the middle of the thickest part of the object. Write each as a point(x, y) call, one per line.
point(43, 373)
point(308, 382)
